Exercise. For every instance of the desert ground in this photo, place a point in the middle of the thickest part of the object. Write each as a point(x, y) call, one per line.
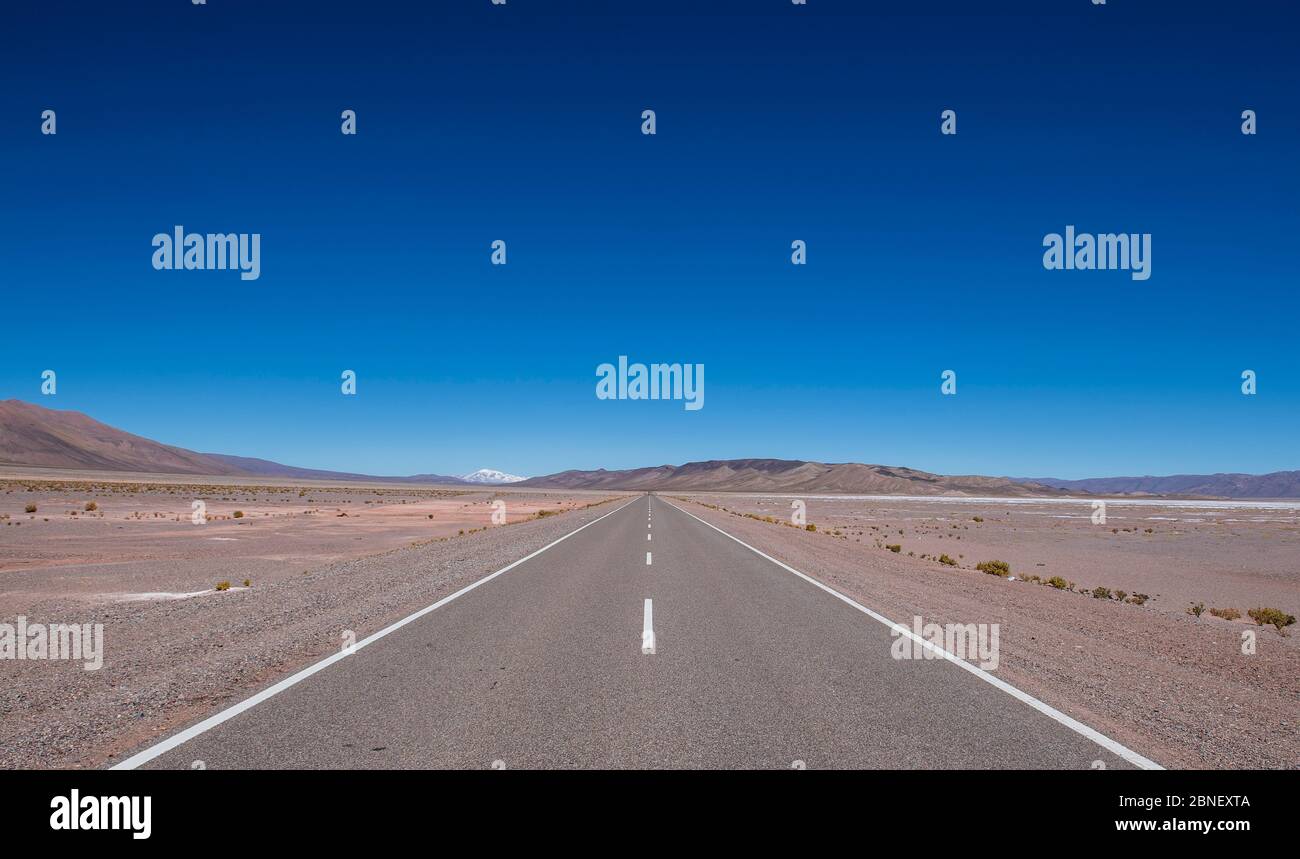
point(197, 615)
point(1142, 659)
point(140, 541)
point(1094, 618)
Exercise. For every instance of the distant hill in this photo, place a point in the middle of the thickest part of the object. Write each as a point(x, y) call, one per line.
point(33, 435)
point(1278, 484)
point(267, 468)
point(787, 475)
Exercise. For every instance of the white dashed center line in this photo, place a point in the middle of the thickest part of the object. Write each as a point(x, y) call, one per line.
point(648, 630)
point(647, 559)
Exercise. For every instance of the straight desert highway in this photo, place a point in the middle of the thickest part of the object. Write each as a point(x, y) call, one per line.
point(647, 639)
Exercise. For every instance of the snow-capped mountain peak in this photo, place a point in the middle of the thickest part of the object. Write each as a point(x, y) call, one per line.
point(489, 475)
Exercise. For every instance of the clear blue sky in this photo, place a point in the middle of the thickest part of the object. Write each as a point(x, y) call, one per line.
point(775, 122)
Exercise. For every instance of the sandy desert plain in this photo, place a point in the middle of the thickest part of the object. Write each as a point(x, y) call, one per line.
point(321, 558)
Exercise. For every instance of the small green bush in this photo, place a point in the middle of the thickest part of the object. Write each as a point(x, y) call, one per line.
point(1057, 582)
point(994, 568)
point(1101, 593)
point(1226, 613)
point(944, 559)
point(238, 514)
point(1276, 617)
point(810, 527)
point(91, 506)
point(30, 508)
point(223, 586)
point(1196, 609)
point(894, 547)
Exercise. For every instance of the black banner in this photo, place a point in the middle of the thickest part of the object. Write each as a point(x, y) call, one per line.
point(216, 808)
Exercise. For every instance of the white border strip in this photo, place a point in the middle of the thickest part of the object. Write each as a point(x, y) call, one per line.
point(247, 704)
point(1046, 709)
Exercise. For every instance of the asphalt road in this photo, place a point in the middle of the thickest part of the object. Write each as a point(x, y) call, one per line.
point(549, 665)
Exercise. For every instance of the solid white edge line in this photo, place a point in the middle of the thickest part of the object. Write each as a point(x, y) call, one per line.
point(248, 703)
point(1046, 709)
point(648, 629)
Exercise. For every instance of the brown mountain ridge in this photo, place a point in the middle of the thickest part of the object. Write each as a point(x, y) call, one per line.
point(788, 475)
point(34, 436)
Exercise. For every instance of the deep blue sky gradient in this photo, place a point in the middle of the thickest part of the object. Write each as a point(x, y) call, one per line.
point(775, 122)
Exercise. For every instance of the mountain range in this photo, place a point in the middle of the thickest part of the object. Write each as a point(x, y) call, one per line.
point(31, 435)
point(788, 475)
point(1277, 484)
